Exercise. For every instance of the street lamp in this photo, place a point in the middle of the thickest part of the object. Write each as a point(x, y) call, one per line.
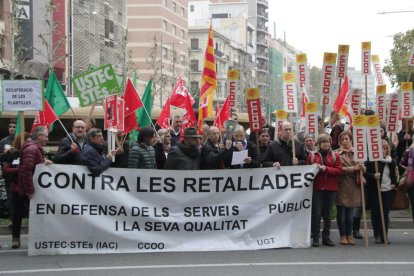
point(162, 65)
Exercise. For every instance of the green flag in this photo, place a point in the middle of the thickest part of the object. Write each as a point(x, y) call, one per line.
point(55, 95)
point(18, 124)
point(144, 113)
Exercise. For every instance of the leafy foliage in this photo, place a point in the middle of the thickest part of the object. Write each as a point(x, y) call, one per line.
point(397, 68)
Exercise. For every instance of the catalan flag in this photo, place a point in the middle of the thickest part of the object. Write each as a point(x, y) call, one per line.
point(208, 82)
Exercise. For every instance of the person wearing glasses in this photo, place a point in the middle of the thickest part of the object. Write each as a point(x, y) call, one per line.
point(68, 151)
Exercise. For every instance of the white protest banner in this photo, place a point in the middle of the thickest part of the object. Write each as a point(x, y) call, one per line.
point(342, 64)
point(374, 138)
point(381, 100)
point(233, 80)
point(311, 118)
point(302, 68)
point(411, 57)
point(366, 58)
point(290, 94)
point(22, 95)
point(328, 74)
point(359, 137)
point(281, 116)
point(95, 85)
point(377, 69)
point(355, 101)
point(407, 99)
point(129, 210)
point(392, 116)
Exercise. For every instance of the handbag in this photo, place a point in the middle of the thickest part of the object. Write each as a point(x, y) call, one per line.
point(399, 201)
point(407, 179)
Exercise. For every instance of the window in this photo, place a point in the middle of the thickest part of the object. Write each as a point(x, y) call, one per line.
point(194, 86)
point(182, 34)
point(174, 6)
point(165, 3)
point(194, 44)
point(164, 53)
point(182, 59)
point(194, 65)
point(109, 33)
point(182, 11)
point(164, 25)
point(191, 8)
point(220, 15)
point(174, 30)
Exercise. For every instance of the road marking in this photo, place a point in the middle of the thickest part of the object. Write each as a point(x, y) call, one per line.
point(199, 265)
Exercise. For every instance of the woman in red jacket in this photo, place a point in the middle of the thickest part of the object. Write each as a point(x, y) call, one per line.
point(325, 187)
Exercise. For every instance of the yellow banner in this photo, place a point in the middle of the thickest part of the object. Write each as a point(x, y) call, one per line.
point(381, 89)
point(233, 74)
point(406, 86)
point(343, 49)
point(358, 120)
point(281, 114)
point(301, 58)
point(366, 45)
point(375, 58)
point(329, 58)
point(372, 120)
point(289, 77)
point(311, 107)
point(252, 93)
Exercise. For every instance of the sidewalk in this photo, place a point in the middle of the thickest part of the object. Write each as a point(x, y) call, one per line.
point(398, 220)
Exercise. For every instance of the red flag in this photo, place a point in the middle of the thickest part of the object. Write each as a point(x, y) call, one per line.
point(130, 122)
point(189, 118)
point(223, 114)
point(131, 98)
point(164, 118)
point(45, 117)
point(179, 94)
point(341, 104)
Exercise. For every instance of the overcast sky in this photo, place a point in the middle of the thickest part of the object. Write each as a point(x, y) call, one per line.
point(318, 26)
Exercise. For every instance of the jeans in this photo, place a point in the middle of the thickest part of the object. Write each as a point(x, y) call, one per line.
point(345, 220)
point(322, 203)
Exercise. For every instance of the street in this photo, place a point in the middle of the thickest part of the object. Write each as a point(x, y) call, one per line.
point(378, 259)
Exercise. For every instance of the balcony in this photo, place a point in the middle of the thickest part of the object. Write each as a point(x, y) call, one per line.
point(218, 53)
point(262, 43)
point(262, 56)
point(263, 15)
point(262, 28)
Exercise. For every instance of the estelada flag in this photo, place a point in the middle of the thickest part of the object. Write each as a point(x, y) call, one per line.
point(44, 117)
point(179, 94)
point(222, 114)
point(164, 118)
point(131, 98)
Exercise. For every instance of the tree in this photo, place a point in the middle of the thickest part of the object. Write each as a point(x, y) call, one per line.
point(397, 68)
point(315, 90)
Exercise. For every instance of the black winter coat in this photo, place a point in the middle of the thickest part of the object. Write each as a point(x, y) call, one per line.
point(280, 151)
point(212, 158)
point(92, 157)
point(65, 154)
point(183, 157)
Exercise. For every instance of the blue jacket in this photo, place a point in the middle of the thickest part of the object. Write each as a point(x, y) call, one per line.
point(92, 157)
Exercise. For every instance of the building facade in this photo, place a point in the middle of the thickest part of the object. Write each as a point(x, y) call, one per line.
point(158, 44)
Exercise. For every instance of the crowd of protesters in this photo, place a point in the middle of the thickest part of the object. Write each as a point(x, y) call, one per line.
point(338, 182)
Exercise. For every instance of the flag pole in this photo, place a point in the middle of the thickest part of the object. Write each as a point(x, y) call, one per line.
point(21, 127)
point(65, 130)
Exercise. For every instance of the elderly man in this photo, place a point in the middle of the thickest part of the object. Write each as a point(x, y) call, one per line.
point(186, 155)
point(215, 156)
point(176, 130)
point(31, 154)
point(240, 143)
point(280, 152)
point(70, 147)
point(92, 153)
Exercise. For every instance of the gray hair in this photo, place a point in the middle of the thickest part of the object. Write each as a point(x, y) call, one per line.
point(161, 133)
point(38, 131)
point(93, 132)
